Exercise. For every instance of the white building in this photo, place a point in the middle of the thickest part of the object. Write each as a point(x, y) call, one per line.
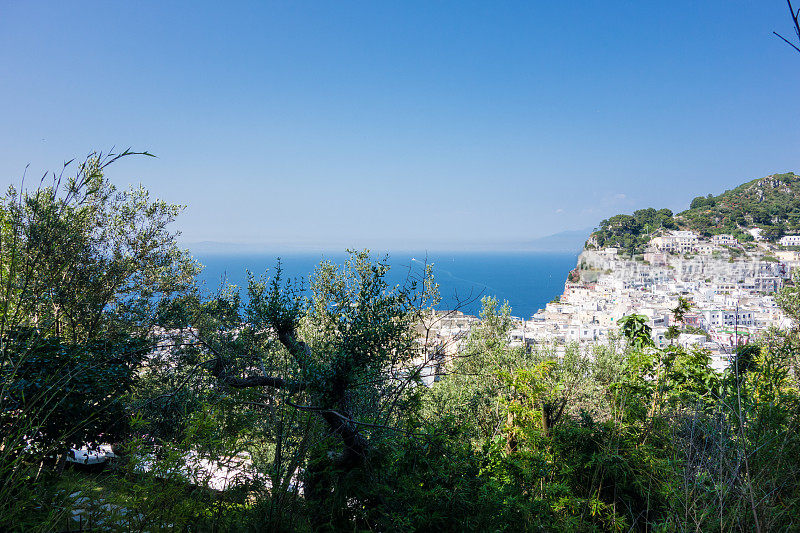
point(676, 241)
point(789, 256)
point(724, 240)
point(704, 248)
point(789, 240)
point(655, 258)
point(725, 317)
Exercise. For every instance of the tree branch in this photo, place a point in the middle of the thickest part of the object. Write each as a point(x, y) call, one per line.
point(796, 21)
point(258, 381)
point(787, 41)
point(218, 371)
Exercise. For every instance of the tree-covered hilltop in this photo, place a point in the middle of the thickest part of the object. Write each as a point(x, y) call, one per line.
point(771, 203)
point(631, 232)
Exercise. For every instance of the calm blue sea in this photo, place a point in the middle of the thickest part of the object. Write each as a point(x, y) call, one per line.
point(527, 280)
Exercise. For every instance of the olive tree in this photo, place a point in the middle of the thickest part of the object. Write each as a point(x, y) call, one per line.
point(82, 268)
point(332, 370)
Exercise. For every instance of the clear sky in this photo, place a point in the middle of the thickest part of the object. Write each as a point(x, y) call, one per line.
point(403, 124)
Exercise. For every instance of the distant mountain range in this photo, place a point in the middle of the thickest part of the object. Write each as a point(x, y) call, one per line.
point(564, 241)
point(771, 203)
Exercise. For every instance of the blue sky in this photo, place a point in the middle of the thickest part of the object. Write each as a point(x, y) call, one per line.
point(403, 124)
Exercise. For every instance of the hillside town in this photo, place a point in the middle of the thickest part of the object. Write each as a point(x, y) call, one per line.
point(728, 285)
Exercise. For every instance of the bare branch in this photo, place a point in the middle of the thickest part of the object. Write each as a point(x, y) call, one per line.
point(796, 20)
point(787, 41)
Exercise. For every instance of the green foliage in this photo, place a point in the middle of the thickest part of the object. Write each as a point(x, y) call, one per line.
point(637, 331)
point(771, 203)
point(68, 394)
point(631, 233)
point(315, 382)
point(788, 298)
point(83, 257)
point(318, 388)
point(82, 269)
point(470, 390)
point(701, 202)
point(680, 310)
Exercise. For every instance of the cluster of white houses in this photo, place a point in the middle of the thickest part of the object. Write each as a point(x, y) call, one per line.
point(731, 294)
point(684, 242)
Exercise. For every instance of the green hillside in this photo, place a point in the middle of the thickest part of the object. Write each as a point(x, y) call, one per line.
point(771, 203)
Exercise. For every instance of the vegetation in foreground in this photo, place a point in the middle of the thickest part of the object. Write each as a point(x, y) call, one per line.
point(106, 338)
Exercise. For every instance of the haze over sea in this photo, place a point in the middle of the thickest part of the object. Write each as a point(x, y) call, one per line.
point(528, 280)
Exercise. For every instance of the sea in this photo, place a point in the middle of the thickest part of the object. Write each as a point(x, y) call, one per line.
point(527, 280)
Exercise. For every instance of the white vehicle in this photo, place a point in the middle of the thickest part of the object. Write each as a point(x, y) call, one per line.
point(87, 456)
